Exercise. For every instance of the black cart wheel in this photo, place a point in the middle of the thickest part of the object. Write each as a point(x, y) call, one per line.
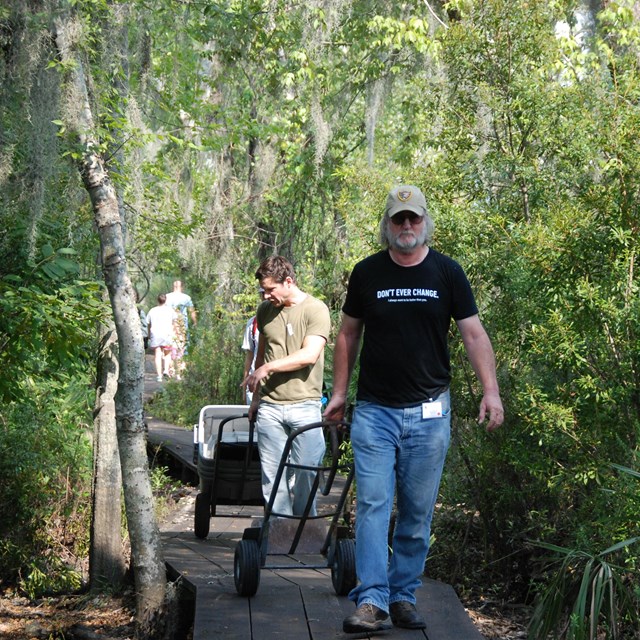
point(202, 517)
point(246, 567)
point(343, 570)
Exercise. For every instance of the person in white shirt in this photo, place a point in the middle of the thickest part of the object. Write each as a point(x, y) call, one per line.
point(160, 321)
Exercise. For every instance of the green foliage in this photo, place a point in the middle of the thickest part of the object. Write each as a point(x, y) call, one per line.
point(45, 463)
point(160, 479)
point(600, 595)
point(47, 330)
point(47, 323)
point(588, 595)
point(164, 489)
point(49, 576)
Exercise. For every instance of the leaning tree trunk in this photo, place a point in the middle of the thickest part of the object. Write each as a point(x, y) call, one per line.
point(106, 561)
point(107, 564)
point(149, 570)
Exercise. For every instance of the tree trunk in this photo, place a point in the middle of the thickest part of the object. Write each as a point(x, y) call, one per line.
point(106, 561)
point(148, 564)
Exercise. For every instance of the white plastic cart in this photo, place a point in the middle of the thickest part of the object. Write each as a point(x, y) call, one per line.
point(226, 454)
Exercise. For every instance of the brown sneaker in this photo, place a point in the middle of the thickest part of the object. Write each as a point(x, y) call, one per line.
point(404, 614)
point(367, 617)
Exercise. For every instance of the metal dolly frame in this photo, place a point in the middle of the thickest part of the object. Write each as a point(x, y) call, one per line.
point(251, 552)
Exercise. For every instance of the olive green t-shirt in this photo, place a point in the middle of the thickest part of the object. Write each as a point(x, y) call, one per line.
point(284, 330)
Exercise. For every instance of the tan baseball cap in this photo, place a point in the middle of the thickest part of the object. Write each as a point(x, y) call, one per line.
point(406, 197)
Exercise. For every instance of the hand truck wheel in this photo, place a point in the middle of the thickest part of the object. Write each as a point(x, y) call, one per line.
point(246, 567)
point(343, 569)
point(202, 516)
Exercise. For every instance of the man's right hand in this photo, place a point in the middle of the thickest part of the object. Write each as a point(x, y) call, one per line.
point(335, 408)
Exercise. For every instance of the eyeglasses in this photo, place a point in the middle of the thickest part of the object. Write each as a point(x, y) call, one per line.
point(399, 218)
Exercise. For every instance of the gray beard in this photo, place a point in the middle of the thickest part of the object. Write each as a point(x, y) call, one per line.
point(393, 241)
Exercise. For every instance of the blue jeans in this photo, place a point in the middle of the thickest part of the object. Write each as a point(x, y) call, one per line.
point(395, 449)
point(274, 423)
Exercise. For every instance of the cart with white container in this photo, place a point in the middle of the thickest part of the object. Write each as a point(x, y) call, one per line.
point(226, 454)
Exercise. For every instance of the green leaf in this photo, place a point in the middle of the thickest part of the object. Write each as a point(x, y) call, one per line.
point(67, 266)
point(53, 271)
point(626, 470)
point(620, 545)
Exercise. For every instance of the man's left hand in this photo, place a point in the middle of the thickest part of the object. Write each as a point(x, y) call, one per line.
point(491, 405)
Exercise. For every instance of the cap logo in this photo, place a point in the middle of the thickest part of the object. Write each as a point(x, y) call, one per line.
point(404, 195)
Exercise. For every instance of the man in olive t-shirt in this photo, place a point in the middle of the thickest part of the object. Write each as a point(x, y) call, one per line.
point(287, 381)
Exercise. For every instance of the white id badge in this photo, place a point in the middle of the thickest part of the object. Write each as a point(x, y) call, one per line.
point(431, 410)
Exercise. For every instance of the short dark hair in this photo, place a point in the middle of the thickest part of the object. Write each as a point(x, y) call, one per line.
point(276, 267)
point(162, 298)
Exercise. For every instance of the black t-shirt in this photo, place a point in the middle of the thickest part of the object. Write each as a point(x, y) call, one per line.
point(406, 313)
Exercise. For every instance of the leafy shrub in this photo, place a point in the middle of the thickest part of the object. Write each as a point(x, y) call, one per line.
point(587, 598)
point(45, 463)
point(49, 575)
point(47, 326)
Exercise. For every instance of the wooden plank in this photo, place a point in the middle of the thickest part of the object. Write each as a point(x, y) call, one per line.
point(277, 610)
point(221, 615)
point(197, 557)
point(446, 617)
point(208, 567)
point(417, 634)
point(282, 532)
point(171, 431)
point(221, 524)
point(323, 609)
point(161, 432)
point(278, 603)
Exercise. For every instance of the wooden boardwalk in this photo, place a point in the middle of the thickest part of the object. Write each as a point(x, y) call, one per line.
point(290, 604)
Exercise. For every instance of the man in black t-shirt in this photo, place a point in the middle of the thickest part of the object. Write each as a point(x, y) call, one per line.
point(400, 301)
